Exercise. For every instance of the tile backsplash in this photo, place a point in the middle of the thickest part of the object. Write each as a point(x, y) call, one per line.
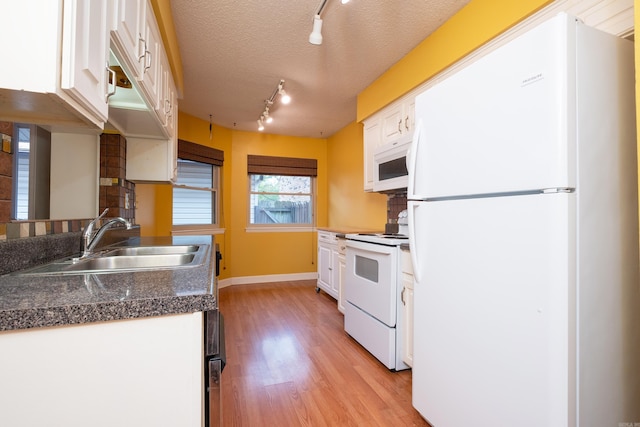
point(22, 229)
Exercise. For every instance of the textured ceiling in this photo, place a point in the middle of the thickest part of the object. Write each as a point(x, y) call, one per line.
point(234, 53)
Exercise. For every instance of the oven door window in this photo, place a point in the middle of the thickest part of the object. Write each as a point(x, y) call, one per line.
point(393, 168)
point(366, 268)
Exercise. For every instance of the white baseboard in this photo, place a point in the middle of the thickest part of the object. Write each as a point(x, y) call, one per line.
point(266, 279)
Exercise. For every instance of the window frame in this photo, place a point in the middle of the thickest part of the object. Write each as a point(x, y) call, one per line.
point(215, 199)
point(192, 152)
point(287, 227)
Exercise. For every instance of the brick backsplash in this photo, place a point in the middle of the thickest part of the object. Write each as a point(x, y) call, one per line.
point(6, 170)
point(116, 193)
point(395, 204)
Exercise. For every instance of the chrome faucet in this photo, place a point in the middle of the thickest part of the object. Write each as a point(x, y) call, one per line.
point(90, 238)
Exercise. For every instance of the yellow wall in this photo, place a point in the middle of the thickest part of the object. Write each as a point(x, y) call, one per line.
point(244, 253)
point(349, 205)
point(470, 28)
point(266, 253)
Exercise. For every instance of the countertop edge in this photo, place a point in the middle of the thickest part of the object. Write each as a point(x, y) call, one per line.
point(185, 291)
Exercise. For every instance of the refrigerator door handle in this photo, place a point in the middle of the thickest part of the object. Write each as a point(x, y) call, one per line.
point(411, 207)
point(412, 160)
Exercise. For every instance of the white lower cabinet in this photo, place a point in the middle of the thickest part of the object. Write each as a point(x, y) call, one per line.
point(138, 372)
point(327, 247)
point(407, 307)
point(331, 265)
point(340, 260)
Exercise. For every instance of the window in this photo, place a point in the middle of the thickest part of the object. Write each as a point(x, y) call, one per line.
point(32, 169)
point(281, 191)
point(196, 190)
point(280, 199)
point(195, 193)
point(21, 198)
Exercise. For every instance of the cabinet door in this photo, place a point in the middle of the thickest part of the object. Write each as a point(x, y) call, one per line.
point(408, 121)
point(335, 272)
point(150, 160)
point(85, 44)
point(167, 98)
point(393, 123)
point(342, 267)
point(128, 34)
point(372, 137)
point(324, 268)
point(151, 76)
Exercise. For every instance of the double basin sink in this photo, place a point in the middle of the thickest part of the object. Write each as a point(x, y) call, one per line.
point(125, 259)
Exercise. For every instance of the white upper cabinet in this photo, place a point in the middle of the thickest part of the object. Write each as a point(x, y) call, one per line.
point(372, 140)
point(150, 74)
point(58, 75)
point(149, 109)
point(127, 34)
point(398, 120)
point(85, 41)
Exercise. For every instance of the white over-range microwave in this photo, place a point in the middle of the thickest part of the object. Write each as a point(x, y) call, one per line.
point(390, 165)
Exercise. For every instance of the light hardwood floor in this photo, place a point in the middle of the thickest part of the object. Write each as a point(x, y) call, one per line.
point(290, 363)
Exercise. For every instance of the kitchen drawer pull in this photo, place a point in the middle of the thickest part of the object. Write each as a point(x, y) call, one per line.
point(112, 77)
point(147, 60)
point(142, 47)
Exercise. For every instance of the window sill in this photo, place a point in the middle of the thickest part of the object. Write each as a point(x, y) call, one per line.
point(191, 230)
point(279, 229)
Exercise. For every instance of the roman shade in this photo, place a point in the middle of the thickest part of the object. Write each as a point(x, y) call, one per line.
point(292, 166)
point(199, 153)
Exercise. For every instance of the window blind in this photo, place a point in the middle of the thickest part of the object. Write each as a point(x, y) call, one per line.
point(199, 153)
point(292, 166)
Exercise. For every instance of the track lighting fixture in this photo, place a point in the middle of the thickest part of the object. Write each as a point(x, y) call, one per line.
point(316, 34)
point(284, 98)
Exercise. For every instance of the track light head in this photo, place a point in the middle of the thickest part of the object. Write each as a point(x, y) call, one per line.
point(267, 118)
point(284, 97)
point(316, 34)
point(260, 125)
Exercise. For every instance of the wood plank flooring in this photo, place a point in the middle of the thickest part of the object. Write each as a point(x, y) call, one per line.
point(290, 363)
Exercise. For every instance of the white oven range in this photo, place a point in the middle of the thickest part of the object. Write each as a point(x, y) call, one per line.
point(372, 290)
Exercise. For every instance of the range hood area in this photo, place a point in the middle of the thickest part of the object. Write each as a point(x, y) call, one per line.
point(129, 114)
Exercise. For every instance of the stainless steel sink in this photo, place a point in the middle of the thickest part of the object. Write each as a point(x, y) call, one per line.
point(152, 250)
point(125, 259)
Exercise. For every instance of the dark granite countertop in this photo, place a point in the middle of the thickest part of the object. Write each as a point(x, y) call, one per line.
point(40, 301)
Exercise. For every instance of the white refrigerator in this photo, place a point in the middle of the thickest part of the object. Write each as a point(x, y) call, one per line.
point(524, 236)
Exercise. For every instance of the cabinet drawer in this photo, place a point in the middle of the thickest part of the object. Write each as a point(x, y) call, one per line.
point(327, 237)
